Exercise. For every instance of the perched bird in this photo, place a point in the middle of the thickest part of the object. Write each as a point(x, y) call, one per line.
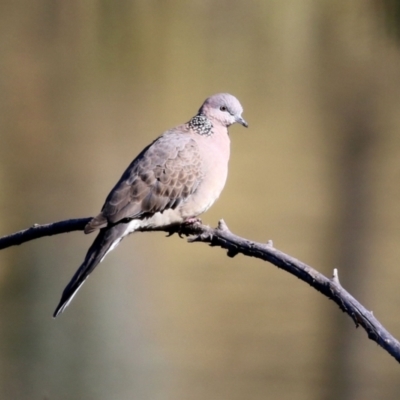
point(173, 180)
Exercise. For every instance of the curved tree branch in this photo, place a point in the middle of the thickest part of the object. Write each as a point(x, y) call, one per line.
point(37, 231)
point(224, 238)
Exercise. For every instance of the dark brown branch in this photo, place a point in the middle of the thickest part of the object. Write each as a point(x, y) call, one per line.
point(222, 237)
point(37, 231)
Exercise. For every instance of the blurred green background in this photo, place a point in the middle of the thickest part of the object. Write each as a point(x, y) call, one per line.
point(85, 85)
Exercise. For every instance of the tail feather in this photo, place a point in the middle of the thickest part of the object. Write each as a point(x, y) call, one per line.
point(98, 222)
point(106, 240)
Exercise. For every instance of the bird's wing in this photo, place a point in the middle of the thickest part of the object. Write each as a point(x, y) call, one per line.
point(163, 176)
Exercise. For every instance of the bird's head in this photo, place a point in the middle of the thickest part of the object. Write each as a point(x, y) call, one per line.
point(224, 109)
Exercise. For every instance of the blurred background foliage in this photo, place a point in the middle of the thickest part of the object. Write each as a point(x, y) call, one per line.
point(85, 85)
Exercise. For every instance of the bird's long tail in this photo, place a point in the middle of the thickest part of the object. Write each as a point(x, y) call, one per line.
point(106, 240)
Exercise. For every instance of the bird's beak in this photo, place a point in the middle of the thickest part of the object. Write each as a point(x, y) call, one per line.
point(241, 121)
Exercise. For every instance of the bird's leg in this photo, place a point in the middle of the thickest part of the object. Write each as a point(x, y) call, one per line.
point(181, 229)
point(192, 221)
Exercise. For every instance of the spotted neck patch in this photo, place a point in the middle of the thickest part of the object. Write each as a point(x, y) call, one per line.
point(201, 125)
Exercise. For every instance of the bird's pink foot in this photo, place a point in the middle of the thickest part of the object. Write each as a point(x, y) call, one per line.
point(192, 221)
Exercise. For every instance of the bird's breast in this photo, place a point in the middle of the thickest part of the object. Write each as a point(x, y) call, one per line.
point(215, 151)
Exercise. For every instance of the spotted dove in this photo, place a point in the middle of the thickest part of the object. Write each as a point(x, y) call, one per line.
point(173, 180)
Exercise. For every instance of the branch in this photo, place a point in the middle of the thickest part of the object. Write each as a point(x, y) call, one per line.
point(37, 231)
point(224, 238)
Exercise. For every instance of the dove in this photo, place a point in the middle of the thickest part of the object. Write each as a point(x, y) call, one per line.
point(172, 181)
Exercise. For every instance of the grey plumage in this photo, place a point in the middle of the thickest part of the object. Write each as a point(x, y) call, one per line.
point(175, 178)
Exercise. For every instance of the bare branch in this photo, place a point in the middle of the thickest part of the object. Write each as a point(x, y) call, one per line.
point(224, 238)
point(37, 231)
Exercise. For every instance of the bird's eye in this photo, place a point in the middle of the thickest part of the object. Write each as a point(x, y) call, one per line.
point(223, 108)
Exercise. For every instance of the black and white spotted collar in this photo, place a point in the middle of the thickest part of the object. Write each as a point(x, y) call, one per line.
point(201, 125)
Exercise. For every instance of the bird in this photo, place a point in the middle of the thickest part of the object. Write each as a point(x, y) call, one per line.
point(172, 181)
